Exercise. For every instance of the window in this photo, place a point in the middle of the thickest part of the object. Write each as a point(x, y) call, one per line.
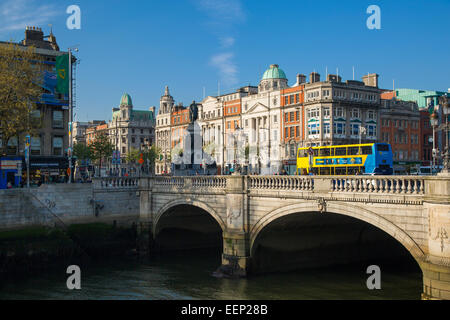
point(246, 122)
point(326, 112)
point(339, 127)
point(342, 151)
point(286, 115)
point(313, 128)
point(142, 140)
point(326, 128)
point(286, 135)
point(123, 139)
point(57, 146)
point(371, 130)
point(354, 129)
point(292, 133)
point(228, 124)
point(58, 119)
point(124, 114)
point(355, 113)
point(275, 119)
point(35, 146)
point(124, 150)
point(297, 131)
point(286, 100)
point(339, 112)
point(371, 115)
point(291, 116)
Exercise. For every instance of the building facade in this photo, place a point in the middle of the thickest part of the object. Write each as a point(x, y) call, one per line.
point(48, 156)
point(130, 129)
point(400, 127)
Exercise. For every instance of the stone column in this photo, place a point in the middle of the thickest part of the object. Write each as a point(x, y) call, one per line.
point(145, 226)
point(436, 268)
point(236, 248)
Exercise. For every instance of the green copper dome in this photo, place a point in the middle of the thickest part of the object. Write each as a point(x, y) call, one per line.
point(274, 72)
point(126, 100)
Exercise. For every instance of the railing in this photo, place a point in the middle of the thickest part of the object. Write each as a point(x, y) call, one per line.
point(116, 183)
point(336, 184)
point(281, 183)
point(209, 182)
point(169, 181)
point(385, 184)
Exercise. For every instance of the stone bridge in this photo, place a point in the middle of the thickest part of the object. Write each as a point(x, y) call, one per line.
point(415, 211)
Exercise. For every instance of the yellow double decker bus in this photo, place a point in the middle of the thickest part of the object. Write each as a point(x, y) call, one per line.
point(367, 158)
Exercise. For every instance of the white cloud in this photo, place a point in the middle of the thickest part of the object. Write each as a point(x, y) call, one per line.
point(226, 42)
point(222, 11)
point(223, 15)
point(226, 66)
point(17, 14)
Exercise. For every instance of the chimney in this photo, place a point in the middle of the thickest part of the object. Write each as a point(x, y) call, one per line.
point(301, 78)
point(33, 33)
point(371, 80)
point(333, 78)
point(314, 77)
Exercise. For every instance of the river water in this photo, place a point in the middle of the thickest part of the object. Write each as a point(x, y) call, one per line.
point(188, 276)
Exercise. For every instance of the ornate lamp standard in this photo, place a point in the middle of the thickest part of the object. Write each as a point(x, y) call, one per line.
point(434, 122)
point(443, 101)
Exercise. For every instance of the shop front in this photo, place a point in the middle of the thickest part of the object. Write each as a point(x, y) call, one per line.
point(47, 170)
point(10, 172)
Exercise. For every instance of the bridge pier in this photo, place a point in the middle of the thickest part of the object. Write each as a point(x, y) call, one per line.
point(235, 256)
point(436, 268)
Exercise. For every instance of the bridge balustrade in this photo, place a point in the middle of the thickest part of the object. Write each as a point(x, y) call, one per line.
point(385, 184)
point(116, 183)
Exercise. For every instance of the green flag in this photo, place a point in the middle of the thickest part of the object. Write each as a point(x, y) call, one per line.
point(62, 74)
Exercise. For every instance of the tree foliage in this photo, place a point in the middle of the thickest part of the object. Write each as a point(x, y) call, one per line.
point(82, 151)
point(132, 155)
point(21, 78)
point(101, 148)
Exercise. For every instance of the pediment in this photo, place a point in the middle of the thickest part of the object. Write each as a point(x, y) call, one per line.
point(209, 99)
point(258, 107)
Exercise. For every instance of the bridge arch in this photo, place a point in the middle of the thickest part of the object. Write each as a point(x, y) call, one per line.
point(353, 211)
point(190, 202)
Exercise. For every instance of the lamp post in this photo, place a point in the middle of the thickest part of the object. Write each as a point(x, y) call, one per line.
point(434, 122)
point(443, 101)
point(70, 111)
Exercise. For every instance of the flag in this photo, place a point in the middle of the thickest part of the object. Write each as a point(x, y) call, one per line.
point(62, 74)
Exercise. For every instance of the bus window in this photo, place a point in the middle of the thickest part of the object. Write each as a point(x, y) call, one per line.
point(324, 152)
point(383, 147)
point(325, 171)
point(340, 171)
point(340, 151)
point(366, 150)
point(353, 151)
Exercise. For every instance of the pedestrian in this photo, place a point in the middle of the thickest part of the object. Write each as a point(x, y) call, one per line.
point(9, 185)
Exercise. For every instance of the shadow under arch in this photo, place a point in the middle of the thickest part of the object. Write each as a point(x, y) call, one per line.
point(357, 212)
point(194, 203)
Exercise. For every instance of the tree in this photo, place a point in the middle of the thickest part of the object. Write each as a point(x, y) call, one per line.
point(132, 155)
point(82, 151)
point(101, 148)
point(21, 78)
point(151, 154)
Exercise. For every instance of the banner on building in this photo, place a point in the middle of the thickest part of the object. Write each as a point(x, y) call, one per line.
point(62, 74)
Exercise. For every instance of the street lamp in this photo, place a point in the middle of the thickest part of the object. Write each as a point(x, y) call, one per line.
point(443, 101)
point(434, 122)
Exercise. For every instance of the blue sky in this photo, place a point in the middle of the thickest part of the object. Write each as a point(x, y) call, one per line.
point(140, 46)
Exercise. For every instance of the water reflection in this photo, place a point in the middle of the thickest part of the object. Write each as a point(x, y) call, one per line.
point(188, 276)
